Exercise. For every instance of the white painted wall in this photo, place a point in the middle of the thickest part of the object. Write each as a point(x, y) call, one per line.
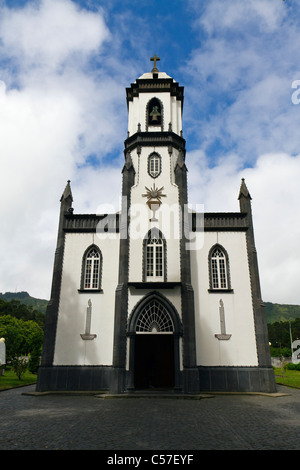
point(240, 349)
point(70, 348)
point(167, 214)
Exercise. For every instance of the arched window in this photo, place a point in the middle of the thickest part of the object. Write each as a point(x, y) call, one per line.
point(154, 318)
point(154, 253)
point(154, 165)
point(219, 268)
point(91, 269)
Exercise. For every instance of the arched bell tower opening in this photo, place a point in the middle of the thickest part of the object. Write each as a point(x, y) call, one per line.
point(154, 115)
point(154, 330)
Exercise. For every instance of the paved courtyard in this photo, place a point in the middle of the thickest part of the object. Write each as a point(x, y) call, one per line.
point(231, 422)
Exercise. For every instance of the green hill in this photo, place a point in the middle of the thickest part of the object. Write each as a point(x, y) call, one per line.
point(26, 299)
point(281, 312)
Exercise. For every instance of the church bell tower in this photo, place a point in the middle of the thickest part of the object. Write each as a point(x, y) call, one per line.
point(154, 274)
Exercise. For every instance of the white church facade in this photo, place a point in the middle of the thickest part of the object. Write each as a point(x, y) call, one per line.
point(157, 296)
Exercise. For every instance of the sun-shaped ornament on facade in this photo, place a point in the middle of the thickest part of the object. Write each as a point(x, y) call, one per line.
point(154, 201)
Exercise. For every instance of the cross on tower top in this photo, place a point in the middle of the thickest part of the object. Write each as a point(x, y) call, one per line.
point(154, 59)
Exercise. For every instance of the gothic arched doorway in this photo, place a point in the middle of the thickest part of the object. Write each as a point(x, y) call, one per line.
point(154, 331)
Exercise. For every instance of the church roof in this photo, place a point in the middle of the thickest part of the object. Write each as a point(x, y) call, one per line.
point(148, 75)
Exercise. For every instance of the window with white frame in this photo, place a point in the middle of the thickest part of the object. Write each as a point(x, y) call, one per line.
point(92, 269)
point(219, 269)
point(155, 257)
point(154, 165)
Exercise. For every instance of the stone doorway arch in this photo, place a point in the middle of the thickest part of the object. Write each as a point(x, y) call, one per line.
point(154, 330)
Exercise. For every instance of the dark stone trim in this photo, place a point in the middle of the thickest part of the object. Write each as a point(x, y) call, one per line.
point(110, 223)
point(74, 378)
point(154, 285)
point(121, 295)
point(235, 215)
point(53, 305)
point(92, 223)
point(201, 379)
point(154, 85)
point(260, 320)
point(236, 379)
point(225, 229)
point(223, 291)
point(90, 291)
point(219, 221)
point(190, 376)
point(154, 139)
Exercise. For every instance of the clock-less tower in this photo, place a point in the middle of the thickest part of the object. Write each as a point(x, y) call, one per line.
point(154, 311)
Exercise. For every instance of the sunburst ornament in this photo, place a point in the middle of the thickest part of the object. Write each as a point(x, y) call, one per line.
point(154, 201)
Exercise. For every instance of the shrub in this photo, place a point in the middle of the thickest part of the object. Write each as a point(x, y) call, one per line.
point(291, 366)
point(19, 366)
point(278, 352)
point(34, 361)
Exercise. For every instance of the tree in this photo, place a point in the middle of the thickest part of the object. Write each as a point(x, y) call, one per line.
point(35, 352)
point(21, 311)
point(21, 337)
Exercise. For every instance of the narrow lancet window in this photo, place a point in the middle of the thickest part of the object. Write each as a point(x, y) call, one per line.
point(92, 269)
point(218, 263)
point(155, 256)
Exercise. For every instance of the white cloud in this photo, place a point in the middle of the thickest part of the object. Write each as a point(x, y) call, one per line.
point(50, 32)
point(265, 15)
point(246, 124)
point(54, 112)
point(274, 187)
point(242, 76)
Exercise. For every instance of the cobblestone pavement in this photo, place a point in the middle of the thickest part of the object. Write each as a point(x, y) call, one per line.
point(231, 422)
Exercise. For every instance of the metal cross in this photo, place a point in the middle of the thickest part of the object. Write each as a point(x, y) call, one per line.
point(154, 59)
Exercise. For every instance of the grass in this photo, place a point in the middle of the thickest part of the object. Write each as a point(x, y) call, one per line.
point(291, 378)
point(10, 380)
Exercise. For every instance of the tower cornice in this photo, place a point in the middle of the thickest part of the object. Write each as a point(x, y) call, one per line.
point(154, 85)
point(157, 139)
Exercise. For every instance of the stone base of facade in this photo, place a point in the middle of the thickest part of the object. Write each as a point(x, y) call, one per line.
point(237, 379)
point(193, 381)
point(74, 378)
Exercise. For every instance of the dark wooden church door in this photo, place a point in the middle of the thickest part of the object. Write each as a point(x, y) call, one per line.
point(154, 361)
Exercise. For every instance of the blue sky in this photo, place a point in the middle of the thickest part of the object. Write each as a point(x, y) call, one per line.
point(64, 67)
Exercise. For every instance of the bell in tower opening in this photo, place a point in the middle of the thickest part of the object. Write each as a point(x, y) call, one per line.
point(154, 112)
